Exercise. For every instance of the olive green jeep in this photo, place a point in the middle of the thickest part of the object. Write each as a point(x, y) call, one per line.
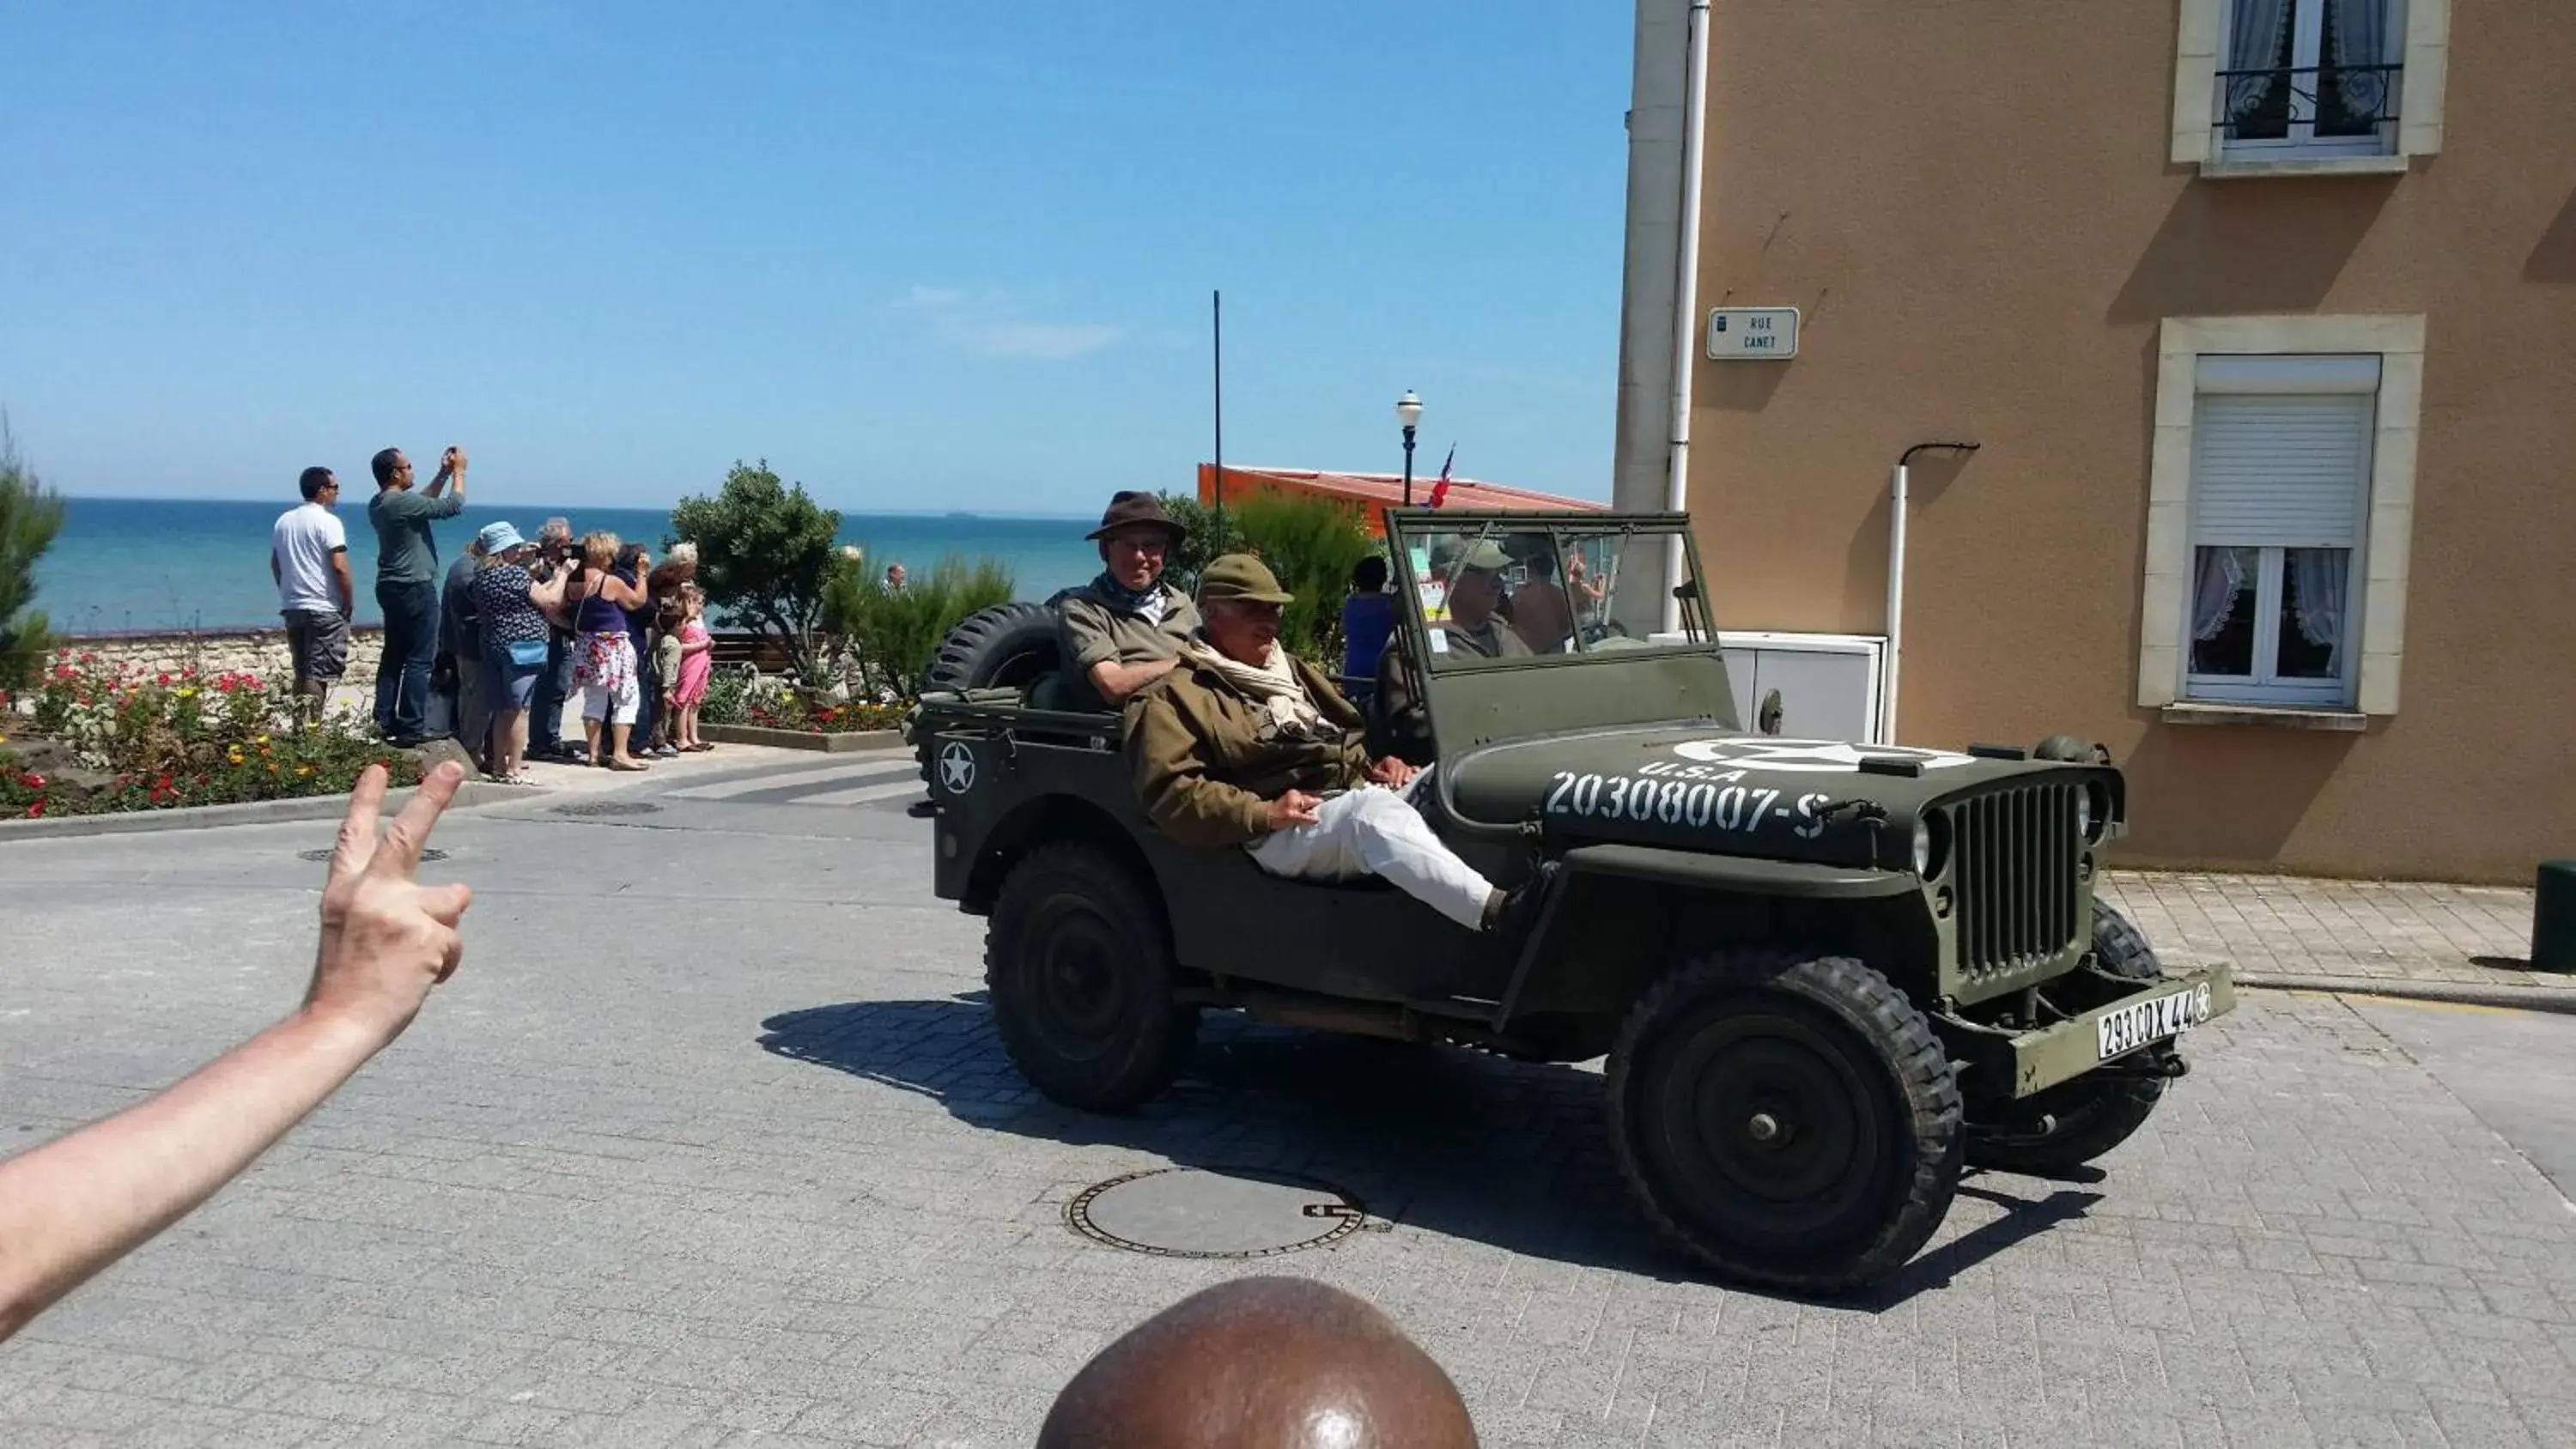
point(1825, 974)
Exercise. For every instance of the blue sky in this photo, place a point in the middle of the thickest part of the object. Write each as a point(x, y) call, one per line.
point(918, 256)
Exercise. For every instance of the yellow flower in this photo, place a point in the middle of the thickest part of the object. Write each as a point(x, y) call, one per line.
point(263, 739)
point(233, 758)
point(303, 770)
point(190, 692)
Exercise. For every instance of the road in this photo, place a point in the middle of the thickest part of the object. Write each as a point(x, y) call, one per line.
point(709, 1142)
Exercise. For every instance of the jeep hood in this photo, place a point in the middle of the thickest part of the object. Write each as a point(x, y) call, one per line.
point(1693, 787)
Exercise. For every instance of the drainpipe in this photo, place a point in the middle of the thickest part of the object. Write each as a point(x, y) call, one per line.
point(1896, 583)
point(1686, 300)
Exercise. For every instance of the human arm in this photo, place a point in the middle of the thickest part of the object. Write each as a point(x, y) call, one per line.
point(1170, 769)
point(1083, 634)
point(451, 470)
point(341, 581)
point(77, 1204)
point(695, 641)
point(624, 592)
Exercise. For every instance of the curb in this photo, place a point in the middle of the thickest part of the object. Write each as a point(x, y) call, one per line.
point(843, 743)
point(2557, 999)
point(249, 812)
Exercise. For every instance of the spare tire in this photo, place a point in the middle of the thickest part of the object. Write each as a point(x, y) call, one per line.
point(1008, 646)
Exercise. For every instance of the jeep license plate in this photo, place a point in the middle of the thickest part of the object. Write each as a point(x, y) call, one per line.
point(2149, 1021)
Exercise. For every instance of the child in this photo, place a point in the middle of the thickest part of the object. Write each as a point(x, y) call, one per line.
point(666, 668)
point(697, 666)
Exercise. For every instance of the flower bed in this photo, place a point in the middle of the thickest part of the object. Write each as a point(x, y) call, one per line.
point(95, 737)
point(744, 697)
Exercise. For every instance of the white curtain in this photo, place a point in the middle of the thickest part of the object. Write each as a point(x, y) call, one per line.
point(2317, 580)
point(2254, 43)
point(2360, 30)
point(2217, 578)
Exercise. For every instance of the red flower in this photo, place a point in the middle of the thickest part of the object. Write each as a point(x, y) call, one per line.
point(164, 679)
point(32, 780)
point(36, 808)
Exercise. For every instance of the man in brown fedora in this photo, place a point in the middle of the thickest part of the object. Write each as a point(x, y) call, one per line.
point(1242, 744)
point(1123, 630)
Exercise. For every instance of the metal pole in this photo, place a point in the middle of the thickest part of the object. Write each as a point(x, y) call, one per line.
point(1216, 309)
point(1408, 465)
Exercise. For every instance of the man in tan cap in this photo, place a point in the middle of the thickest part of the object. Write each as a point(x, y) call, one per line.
point(1261, 1363)
point(1241, 743)
point(1122, 631)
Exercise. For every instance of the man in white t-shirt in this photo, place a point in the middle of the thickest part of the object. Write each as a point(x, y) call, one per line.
point(308, 555)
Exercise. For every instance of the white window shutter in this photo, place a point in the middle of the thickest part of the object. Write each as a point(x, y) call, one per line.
point(2280, 470)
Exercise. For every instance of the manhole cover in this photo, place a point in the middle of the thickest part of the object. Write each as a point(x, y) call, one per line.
point(1180, 1212)
point(427, 852)
point(606, 807)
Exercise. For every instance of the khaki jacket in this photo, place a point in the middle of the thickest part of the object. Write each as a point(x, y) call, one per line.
point(1205, 773)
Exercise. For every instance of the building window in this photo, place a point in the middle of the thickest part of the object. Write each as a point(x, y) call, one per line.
point(2310, 77)
point(2280, 500)
point(2279, 487)
point(2309, 85)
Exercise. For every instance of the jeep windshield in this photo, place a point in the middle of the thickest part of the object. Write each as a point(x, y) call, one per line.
point(1493, 588)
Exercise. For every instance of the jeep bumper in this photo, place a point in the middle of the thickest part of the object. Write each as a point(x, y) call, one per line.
point(2117, 1031)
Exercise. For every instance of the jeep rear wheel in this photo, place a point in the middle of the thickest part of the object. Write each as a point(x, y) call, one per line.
point(1081, 981)
point(2053, 1132)
point(1786, 1121)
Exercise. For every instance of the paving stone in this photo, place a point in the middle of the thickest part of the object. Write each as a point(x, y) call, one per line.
point(771, 1182)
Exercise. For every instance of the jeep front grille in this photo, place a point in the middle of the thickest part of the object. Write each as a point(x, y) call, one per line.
point(2018, 893)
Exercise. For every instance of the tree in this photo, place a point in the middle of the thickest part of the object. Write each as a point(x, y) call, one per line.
point(30, 516)
point(766, 556)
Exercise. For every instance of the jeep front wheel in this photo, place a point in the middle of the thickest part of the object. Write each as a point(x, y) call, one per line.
point(2056, 1131)
point(1081, 982)
point(1787, 1121)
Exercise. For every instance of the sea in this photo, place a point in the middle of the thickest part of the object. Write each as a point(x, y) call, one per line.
point(130, 565)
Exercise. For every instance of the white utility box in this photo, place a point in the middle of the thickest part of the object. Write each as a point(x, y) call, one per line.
point(1828, 683)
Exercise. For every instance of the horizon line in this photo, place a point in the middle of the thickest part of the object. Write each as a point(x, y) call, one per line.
point(606, 507)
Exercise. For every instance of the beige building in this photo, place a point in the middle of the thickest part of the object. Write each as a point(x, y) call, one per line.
point(2262, 314)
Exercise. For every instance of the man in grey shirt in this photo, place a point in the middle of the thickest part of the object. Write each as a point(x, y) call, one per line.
point(407, 586)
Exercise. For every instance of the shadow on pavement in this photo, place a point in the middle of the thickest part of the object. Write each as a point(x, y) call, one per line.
point(1452, 1141)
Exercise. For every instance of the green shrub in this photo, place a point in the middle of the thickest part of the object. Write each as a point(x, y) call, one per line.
point(30, 515)
point(1206, 536)
point(1312, 543)
point(891, 635)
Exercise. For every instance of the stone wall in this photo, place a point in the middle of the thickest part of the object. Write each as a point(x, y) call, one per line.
point(256, 651)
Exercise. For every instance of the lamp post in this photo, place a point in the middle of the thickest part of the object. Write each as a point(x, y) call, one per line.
point(1408, 411)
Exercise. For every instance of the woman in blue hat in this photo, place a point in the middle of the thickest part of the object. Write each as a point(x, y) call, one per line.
point(513, 607)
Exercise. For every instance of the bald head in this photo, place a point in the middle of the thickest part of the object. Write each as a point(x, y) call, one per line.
point(1261, 1363)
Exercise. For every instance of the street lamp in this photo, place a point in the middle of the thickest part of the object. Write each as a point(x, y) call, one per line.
point(1408, 411)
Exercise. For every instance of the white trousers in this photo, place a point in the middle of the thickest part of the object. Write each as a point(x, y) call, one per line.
point(1375, 831)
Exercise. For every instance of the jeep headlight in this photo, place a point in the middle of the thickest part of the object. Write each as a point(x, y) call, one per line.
point(2084, 814)
point(1923, 845)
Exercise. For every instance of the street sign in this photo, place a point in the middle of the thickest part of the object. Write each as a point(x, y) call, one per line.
point(1752, 334)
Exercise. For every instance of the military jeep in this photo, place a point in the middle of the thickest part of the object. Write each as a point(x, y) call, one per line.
point(1826, 974)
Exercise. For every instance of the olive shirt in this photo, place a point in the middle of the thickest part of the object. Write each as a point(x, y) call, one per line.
point(405, 551)
point(1097, 629)
point(1204, 769)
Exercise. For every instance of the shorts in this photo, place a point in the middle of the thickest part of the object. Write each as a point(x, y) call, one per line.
point(506, 683)
point(317, 641)
point(606, 675)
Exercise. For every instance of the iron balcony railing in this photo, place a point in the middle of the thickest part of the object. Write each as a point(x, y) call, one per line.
point(2280, 103)
point(2019, 853)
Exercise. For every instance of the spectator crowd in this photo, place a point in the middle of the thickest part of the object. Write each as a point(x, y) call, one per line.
point(489, 651)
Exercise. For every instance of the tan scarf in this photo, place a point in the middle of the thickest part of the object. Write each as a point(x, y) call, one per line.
point(1276, 692)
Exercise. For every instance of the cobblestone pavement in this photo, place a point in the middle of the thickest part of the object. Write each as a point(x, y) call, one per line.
point(710, 1143)
point(2358, 930)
